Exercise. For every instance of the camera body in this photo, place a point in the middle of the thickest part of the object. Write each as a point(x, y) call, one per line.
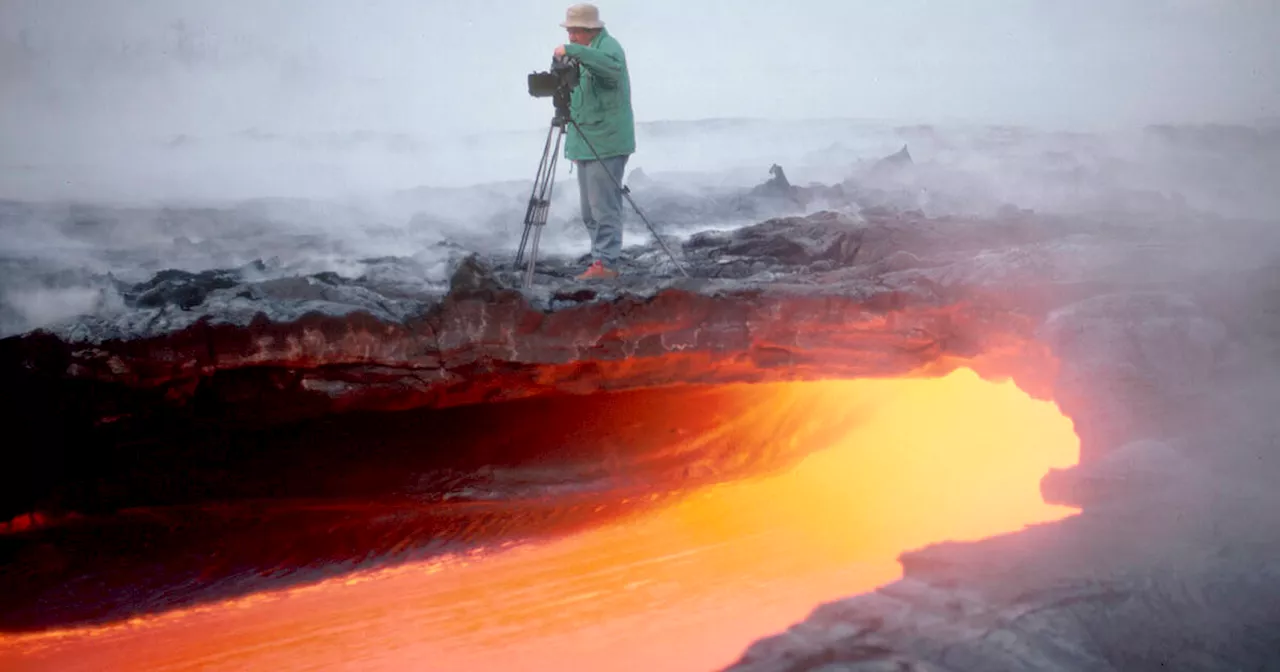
point(557, 83)
point(562, 75)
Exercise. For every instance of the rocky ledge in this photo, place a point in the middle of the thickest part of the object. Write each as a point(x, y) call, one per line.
point(828, 295)
point(1159, 340)
point(825, 295)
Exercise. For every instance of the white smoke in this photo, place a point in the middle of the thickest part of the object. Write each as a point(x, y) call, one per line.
point(143, 135)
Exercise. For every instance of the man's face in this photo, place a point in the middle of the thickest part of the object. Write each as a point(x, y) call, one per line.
point(580, 36)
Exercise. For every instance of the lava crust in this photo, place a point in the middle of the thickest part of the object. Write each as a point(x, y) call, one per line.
point(1140, 332)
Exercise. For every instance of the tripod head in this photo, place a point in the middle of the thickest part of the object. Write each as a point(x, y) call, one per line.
point(562, 118)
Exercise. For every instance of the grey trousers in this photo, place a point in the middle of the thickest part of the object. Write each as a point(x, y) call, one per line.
point(602, 205)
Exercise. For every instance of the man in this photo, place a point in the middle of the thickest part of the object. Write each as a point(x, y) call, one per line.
point(601, 106)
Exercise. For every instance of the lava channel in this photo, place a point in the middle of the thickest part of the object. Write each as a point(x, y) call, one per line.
point(684, 585)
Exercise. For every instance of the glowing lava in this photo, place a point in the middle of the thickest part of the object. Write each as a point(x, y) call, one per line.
point(687, 587)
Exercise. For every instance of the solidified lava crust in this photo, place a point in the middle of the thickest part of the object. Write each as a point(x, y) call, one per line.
point(272, 390)
point(486, 341)
point(135, 427)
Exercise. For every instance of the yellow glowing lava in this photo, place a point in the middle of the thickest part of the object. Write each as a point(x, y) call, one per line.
point(687, 587)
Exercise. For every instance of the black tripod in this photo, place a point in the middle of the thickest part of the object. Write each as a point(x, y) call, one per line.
point(535, 216)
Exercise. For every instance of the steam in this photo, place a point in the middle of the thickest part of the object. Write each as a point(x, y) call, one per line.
point(63, 259)
point(303, 138)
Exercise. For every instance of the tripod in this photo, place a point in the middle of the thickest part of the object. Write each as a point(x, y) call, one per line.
point(544, 183)
point(535, 215)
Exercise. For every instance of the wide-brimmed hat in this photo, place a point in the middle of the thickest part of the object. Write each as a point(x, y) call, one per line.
point(584, 15)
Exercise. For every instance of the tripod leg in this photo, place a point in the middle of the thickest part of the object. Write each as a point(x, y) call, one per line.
point(540, 209)
point(661, 243)
point(533, 255)
point(537, 184)
point(627, 192)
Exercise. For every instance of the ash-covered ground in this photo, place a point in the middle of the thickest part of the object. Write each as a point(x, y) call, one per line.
point(97, 253)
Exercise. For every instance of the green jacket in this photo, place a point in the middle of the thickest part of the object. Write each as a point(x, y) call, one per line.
point(601, 103)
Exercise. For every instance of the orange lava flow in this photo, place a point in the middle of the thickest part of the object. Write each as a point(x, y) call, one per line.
point(685, 587)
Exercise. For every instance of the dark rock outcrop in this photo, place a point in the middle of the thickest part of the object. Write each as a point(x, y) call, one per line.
point(826, 295)
point(893, 163)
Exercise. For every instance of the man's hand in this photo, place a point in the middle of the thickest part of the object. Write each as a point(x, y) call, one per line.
point(559, 53)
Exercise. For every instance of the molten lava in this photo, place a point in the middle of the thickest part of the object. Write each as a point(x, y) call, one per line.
point(684, 587)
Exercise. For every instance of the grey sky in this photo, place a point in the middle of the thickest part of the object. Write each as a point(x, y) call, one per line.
point(459, 65)
point(173, 98)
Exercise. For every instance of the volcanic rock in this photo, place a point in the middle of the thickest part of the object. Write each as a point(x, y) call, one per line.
point(1172, 391)
point(1158, 341)
point(892, 163)
point(823, 295)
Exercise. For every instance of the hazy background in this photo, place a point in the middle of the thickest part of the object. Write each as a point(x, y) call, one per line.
point(172, 98)
point(407, 128)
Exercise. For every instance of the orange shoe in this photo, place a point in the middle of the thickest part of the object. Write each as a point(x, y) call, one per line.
point(597, 270)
